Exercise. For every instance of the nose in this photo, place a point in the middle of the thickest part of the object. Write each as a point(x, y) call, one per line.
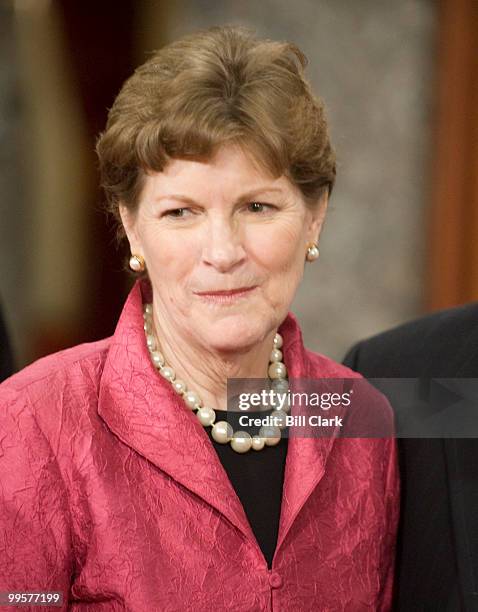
point(223, 248)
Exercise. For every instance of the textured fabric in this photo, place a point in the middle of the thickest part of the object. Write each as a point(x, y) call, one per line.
point(112, 493)
point(437, 560)
point(257, 478)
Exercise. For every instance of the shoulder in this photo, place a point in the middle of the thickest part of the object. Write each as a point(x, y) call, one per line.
point(369, 414)
point(60, 373)
point(418, 346)
point(320, 366)
point(53, 399)
point(442, 324)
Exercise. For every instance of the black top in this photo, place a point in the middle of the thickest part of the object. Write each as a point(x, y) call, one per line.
point(437, 556)
point(257, 477)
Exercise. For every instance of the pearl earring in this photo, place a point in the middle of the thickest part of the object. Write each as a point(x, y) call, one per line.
point(136, 263)
point(312, 252)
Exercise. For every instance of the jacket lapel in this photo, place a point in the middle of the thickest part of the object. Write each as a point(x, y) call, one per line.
point(144, 411)
point(306, 457)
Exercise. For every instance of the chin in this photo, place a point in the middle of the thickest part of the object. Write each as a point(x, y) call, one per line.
point(234, 333)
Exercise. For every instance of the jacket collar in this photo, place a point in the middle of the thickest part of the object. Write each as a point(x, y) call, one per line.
point(144, 411)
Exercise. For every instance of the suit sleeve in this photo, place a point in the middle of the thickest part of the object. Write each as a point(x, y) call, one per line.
point(35, 535)
point(351, 359)
point(6, 357)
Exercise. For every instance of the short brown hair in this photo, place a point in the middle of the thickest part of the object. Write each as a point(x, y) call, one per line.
point(216, 86)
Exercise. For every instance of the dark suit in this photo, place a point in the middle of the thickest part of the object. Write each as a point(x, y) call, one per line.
point(437, 562)
point(6, 359)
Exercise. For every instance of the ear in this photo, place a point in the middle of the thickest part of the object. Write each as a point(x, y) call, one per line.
point(317, 217)
point(128, 218)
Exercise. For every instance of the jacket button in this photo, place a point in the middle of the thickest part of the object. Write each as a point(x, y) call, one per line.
point(275, 580)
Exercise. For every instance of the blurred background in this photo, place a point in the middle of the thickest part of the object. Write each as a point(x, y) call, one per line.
point(400, 82)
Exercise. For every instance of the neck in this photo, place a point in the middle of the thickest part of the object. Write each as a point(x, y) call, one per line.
point(206, 371)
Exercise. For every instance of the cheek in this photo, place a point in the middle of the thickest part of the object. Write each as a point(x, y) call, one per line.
point(280, 248)
point(170, 259)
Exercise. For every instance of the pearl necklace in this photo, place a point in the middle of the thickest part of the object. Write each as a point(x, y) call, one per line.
point(222, 432)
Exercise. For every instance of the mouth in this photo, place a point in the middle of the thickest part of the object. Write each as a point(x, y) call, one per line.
point(226, 297)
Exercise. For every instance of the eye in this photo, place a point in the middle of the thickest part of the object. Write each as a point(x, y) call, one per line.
point(258, 207)
point(176, 213)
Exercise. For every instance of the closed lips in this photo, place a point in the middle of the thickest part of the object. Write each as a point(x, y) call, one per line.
point(226, 292)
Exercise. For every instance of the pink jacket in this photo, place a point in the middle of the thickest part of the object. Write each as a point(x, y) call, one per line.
point(111, 492)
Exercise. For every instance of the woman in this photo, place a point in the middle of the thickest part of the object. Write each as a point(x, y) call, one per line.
point(123, 485)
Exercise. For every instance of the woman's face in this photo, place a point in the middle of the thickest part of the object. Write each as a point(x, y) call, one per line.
point(223, 225)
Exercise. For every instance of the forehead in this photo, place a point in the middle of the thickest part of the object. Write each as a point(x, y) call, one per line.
point(230, 170)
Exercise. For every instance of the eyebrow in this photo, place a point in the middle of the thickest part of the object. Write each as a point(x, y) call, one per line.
point(245, 196)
